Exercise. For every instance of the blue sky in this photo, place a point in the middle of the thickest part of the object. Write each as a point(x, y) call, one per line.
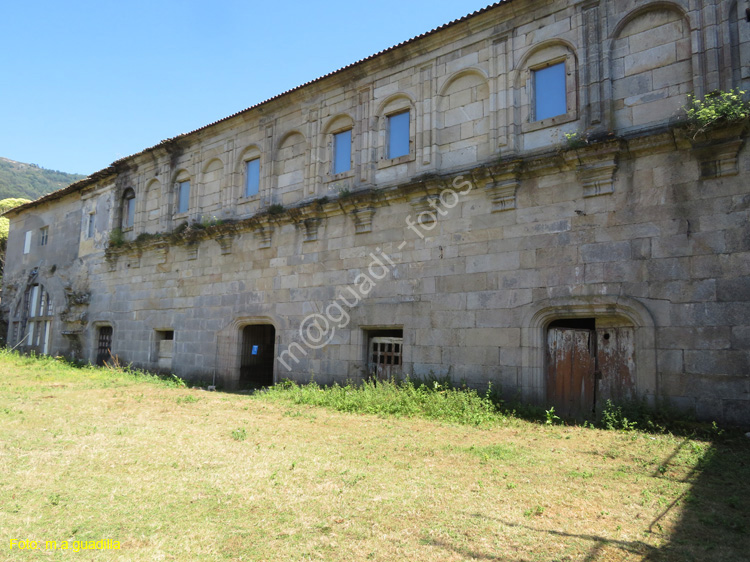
point(85, 83)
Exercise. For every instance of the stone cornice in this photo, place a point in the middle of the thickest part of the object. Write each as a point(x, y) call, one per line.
point(594, 163)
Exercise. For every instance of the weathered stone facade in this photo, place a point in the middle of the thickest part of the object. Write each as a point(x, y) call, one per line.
point(490, 237)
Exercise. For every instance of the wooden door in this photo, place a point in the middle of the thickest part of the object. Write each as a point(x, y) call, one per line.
point(571, 370)
point(615, 350)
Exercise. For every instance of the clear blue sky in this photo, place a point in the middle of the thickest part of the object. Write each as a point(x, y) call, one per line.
point(85, 83)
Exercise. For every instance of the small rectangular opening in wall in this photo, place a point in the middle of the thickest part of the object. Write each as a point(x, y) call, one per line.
point(164, 348)
point(385, 349)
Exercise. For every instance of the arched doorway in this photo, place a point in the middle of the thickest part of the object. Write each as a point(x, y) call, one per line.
point(619, 329)
point(589, 361)
point(257, 354)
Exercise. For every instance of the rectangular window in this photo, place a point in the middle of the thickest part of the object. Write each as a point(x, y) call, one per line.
point(252, 177)
point(342, 152)
point(398, 134)
point(27, 242)
point(34, 301)
point(550, 97)
point(43, 235)
point(184, 197)
point(384, 352)
point(91, 226)
point(129, 212)
point(45, 341)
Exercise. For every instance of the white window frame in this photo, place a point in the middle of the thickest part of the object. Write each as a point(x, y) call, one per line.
point(27, 242)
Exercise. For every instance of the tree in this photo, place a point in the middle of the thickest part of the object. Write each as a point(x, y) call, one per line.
point(6, 205)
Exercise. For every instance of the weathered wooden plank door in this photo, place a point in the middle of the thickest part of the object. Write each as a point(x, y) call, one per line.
point(570, 372)
point(385, 357)
point(615, 350)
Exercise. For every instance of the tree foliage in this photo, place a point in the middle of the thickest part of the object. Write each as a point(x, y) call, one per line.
point(6, 205)
point(19, 180)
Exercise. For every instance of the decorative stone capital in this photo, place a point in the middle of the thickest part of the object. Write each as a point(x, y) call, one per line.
point(161, 249)
point(225, 243)
point(363, 219)
point(597, 165)
point(424, 208)
point(264, 235)
point(504, 185)
point(311, 226)
point(716, 150)
point(134, 260)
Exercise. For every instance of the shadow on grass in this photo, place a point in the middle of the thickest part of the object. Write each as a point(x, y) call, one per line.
point(600, 543)
point(715, 521)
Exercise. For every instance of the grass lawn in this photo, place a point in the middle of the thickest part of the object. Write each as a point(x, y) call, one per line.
point(174, 473)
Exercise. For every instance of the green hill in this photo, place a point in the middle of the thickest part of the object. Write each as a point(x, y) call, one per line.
point(29, 181)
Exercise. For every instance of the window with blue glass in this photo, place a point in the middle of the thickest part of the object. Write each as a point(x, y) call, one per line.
point(252, 177)
point(398, 134)
point(342, 152)
point(550, 98)
point(183, 194)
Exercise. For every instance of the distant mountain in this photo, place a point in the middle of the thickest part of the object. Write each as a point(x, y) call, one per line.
point(29, 181)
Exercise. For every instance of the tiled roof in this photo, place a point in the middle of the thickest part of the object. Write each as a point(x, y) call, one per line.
point(111, 169)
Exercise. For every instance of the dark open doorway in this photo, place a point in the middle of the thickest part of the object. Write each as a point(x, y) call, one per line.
point(257, 355)
point(104, 345)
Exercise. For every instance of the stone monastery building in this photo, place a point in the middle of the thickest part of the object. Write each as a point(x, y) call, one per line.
point(512, 198)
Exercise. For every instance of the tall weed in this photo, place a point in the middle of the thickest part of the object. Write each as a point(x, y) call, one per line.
point(393, 398)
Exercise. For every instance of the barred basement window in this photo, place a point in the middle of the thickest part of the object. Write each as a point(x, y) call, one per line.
point(385, 353)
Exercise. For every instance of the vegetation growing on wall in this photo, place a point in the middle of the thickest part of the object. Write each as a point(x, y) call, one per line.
point(716, 109)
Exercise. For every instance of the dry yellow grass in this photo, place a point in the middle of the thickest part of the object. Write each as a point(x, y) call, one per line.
point(181, 474)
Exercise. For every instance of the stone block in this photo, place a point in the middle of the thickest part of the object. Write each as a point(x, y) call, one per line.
point(733, 290)
point(668, 269)
point(605, 251)
point(717, 362)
